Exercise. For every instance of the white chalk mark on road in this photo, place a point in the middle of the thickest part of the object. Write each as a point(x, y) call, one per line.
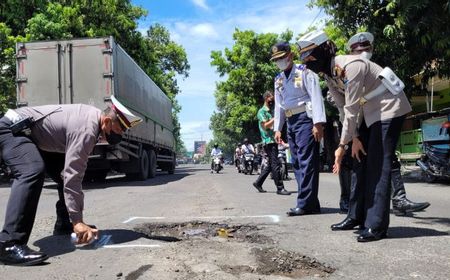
point(132, 246)
point(274, 218)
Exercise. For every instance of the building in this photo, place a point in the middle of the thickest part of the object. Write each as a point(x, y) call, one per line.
point(200, 147)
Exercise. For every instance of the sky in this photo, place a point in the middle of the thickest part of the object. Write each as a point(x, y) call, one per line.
point(201, 26)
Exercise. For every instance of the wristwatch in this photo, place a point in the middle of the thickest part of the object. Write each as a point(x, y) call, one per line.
point(343, 146)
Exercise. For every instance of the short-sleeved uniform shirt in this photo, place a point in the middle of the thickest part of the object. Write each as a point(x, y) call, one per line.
point(267, 135)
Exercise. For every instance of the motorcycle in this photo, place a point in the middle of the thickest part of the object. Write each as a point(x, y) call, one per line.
point(282, 158)
point(248, 163)
point(217, 164)
point(435, 163)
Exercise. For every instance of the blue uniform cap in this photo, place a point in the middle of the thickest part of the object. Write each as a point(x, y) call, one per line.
point(280, 49)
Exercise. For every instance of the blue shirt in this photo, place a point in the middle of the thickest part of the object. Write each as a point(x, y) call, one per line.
point(300, 88)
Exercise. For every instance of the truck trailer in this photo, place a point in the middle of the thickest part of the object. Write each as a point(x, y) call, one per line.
point(89, 71)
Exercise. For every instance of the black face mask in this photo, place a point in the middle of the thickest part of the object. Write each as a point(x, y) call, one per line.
point(323, 54)
point(314, 66)
point(271, 104)
point(113, 138)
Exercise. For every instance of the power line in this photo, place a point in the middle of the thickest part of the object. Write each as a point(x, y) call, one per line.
point(320, 11)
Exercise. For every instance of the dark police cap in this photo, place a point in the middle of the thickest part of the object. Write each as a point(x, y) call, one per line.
point(280, 49)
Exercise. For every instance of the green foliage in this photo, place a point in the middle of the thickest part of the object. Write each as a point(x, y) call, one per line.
point(249, 74)
point(160, 57)
point(409, 35)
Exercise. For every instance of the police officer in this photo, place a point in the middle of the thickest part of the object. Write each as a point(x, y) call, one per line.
point(265, 124)
point(374, 113)
point(362, 44)
point(298, 100)
point(70, 129)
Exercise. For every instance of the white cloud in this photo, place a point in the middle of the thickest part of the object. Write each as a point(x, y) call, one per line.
point(201, 4)
point(204, 30)
point(194, 131)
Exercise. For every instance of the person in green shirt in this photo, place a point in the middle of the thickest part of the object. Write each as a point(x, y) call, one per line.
point(265, 123)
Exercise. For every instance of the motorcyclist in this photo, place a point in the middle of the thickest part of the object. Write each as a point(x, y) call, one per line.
point(237, 155)
point(215, 152)
point(247, 148)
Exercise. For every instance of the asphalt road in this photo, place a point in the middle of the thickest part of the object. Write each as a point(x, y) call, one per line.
point(418, 246)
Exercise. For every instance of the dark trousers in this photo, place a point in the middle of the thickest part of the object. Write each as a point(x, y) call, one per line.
point(372, 186)
point(21, 155)
point(54, 165)
point(398, 188)
point(305, 157)
point(273, 165)
point(345, 179)
point(348, 184)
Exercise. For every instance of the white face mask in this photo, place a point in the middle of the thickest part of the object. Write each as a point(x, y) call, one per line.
point(366, 55)
point(283, 64)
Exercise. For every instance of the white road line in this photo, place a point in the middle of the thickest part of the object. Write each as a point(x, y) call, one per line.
point(274, 218)
point(142, 218)
point(132, 246)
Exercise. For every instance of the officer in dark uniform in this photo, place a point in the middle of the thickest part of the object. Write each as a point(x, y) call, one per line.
point(299, 102)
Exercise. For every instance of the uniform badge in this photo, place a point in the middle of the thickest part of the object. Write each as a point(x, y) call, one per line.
point(298, 78)
point(279, 84)
point(339, 72)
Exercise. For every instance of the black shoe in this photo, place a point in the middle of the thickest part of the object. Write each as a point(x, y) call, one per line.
point(369, 235)
point(260, 189)
point(300, 212)
point(403, 206)
point(283, 191)
point(15, 254)
point(346, 224)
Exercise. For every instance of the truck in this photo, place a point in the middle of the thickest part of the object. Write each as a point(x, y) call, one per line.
point(90, 71)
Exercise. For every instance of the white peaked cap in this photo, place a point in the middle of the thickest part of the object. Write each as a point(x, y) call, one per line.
point(359, 41)
point(311, 40)
point(126, 117)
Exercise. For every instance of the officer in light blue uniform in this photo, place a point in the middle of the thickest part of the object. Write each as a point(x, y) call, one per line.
point(299, 102)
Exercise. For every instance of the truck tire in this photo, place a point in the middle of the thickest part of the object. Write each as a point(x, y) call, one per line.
point(142, 168)
point(171, 168)
point(152, 164)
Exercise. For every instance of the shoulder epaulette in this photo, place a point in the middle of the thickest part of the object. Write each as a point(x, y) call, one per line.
point(277, 76)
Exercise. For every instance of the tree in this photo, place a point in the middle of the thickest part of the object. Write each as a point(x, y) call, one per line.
point(249, 74)
point(410, 36)
point(160, 57)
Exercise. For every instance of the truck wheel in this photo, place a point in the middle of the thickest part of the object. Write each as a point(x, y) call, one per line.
point(152, 164)
point(143, 166)
point(171, 169)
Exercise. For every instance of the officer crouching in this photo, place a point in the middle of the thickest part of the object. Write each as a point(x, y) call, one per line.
point(72, 130)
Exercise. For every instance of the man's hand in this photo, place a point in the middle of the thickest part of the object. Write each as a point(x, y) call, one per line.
point(338, 156)
point(357, 147)
point(317, 132)
point(278, 137)
point(85, 234)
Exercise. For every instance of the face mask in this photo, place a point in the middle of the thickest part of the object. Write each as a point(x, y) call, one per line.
point(366, 55)
point(314, 66)
point(283, 63)
point(113, 138)
point(271, 104)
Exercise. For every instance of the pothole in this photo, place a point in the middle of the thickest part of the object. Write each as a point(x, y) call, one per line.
point(273, 261)
point(173, 232)
point(269, 260)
